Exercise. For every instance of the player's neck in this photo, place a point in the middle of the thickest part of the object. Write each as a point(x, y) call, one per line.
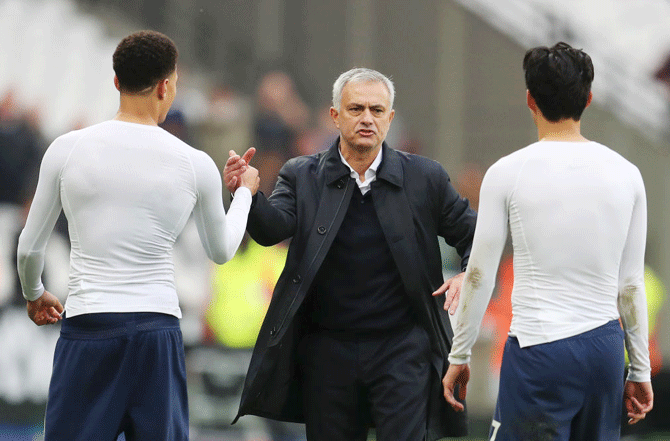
point(566, 130)
point(138, 109)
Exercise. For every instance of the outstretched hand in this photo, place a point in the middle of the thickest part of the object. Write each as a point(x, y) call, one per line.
point(638, 399)
point(457, 374)
point(452, 291)
point(46, 310)
point(235, 166)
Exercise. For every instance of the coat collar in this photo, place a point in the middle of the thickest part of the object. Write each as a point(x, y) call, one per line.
point(390, 170)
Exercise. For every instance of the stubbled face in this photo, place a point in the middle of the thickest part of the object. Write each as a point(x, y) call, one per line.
point(364, 117)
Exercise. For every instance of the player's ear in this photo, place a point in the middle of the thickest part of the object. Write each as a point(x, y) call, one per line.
point(116, 83)
point(162, 88)
point(588, 100)
point(530, 102)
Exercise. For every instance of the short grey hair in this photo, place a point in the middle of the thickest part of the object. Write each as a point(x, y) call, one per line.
point(360, 74)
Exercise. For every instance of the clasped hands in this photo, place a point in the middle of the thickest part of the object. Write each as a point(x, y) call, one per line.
point(238, 173)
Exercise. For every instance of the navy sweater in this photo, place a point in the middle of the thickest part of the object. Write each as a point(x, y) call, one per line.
point(358, 288)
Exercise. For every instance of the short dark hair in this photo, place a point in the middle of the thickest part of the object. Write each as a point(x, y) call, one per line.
point(142, 59)
point(559, 79)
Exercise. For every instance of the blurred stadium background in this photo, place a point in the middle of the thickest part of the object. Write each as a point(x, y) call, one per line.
point(259, 72)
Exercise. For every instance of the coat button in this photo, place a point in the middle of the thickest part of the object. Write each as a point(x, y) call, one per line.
point(297, 279)
point(273, 332)
point(321, 230)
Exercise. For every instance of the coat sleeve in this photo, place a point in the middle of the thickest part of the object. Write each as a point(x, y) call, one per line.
point(274, 219)
point(457, 219)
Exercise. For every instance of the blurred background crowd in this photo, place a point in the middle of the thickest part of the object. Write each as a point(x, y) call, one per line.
point(259, 73)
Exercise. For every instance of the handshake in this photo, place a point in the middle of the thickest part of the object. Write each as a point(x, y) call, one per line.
point(238, 173)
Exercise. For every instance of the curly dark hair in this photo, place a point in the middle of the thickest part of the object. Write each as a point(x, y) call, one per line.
point(142, 59)
point(559, 79)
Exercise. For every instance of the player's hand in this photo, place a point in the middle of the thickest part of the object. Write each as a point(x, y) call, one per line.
point(250, 179)
point(452, 291)
point(235, 166)
point(46, 310)
point(638, 399)
point(457, 374)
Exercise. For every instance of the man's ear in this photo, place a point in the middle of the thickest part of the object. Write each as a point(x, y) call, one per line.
point(334, 114)
point(116, 83)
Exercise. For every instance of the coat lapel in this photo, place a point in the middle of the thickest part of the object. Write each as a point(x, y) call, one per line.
point(397, 220)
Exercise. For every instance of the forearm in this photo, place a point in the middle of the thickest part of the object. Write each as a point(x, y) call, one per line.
point(221, 233)
point(632, 299)
point(633, 312)
point(487, 246)
point(30, 266)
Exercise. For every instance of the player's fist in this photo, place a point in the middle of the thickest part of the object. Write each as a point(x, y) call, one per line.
point(45, 310)
point(250, 179)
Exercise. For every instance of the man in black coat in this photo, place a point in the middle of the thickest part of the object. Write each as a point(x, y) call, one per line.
point(355, 336)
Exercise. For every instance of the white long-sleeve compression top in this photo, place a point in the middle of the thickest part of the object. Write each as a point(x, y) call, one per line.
point(127, 191)
point(577, 215)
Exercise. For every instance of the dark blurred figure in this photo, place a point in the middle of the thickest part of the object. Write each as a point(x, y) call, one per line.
point(20, 153)
point(320, 135)
point(663, 73)
point(226, 124)
point(175, 123)
point(281, 116)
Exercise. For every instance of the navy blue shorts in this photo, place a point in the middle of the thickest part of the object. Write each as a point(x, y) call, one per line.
point(569, 389)
point(118, 373)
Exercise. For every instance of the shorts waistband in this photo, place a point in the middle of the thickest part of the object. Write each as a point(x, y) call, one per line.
point(113, 324)
point(611, 327)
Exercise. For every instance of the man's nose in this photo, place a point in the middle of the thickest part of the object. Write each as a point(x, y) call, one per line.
point(366, 117)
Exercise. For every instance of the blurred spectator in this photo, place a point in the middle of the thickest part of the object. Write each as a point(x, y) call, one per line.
point(21, 149)
point(320, 135)
point(280, 117)
point(663, 73)
point(226, 125)
point(175, 123)
point(241, 293)
point(469, 181)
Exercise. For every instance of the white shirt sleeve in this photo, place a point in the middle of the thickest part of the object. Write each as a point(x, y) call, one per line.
point(44, 211)
point(480, 276)
point(632, 300)
point(220, 233)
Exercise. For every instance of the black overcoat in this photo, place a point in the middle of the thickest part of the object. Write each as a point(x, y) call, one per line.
point(415, 203)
